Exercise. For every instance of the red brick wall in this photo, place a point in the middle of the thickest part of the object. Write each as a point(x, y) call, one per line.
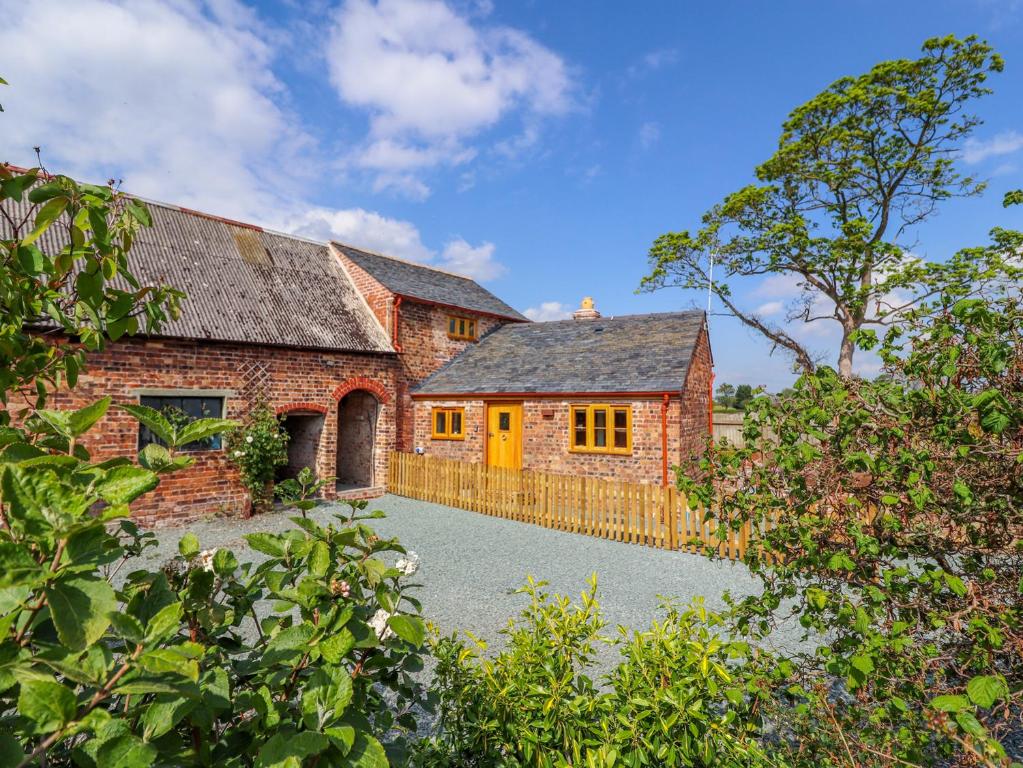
point(695, 401)
point(545, 440)
point(379, 298)
point(299, 379)
point(426, 347)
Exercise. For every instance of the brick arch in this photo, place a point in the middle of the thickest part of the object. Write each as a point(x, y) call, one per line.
point(291, 407)
point(361, 382)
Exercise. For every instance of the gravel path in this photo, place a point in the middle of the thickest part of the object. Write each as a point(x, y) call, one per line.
point(471, 564)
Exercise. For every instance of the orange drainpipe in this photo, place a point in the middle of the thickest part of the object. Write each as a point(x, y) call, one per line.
point(394, 324)
point(664, 440)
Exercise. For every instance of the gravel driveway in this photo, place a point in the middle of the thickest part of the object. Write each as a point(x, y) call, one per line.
point(471, 563)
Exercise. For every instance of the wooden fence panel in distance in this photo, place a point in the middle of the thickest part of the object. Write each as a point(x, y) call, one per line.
point(639, 513)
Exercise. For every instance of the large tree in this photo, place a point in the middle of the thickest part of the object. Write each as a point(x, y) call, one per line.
point(857, 168)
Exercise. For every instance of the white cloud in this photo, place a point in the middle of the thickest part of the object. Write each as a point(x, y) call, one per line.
point(363, 229)
point(549, 310)
point(176, 98)
point(476, 262)
point(1005, 143)
point(770, 308)
point(431, 80)
point(394, 237)
point(652, 61)
point(649, 134)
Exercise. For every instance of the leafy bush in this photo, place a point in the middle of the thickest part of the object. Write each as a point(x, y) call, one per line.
point(671, 701)
point(305, 657)
point(68, 290)
point(301, 492)
point(258, 448)
point(888, 516)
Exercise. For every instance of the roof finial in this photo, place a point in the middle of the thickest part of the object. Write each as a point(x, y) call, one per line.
point(586, 310)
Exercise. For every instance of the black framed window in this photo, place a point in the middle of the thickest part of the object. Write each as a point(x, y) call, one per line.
point(180, 410)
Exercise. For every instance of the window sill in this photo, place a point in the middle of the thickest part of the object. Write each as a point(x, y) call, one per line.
point(449, 439)
point(601, 451)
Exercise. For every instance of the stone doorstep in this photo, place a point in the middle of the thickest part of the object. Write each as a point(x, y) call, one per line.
point(360, 493)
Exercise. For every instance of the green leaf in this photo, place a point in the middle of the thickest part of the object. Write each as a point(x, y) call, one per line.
point(411, 629)
point(298, 746)
point(127, 627)
point(48, 704)
point(163, 714)
point(157, 458)
point(267, 543)
point(17, 566)
point(164, 623)
point(163, 660)
point(985, 690)
point(11, 753)
point(950, 703)
point(319, 559)
point(189, 545)
point(48, 214)
point(80, 608)
point(124, 484)
point(367, 753)
point(81, 421)
point(153, 419)
point(200, 429)
point(125, 751)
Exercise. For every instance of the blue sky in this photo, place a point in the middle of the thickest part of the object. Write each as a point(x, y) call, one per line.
point(538, 146)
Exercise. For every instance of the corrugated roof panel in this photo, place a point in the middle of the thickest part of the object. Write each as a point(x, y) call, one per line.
point(247, 285)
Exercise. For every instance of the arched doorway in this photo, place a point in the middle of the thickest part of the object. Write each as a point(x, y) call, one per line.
point(356, 440)
point(304, 425)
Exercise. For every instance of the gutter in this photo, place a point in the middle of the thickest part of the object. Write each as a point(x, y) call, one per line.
point(540, 395)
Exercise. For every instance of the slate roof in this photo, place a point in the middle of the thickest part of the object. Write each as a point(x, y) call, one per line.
point(417, 281)
point(632, 353)
point(245, 284)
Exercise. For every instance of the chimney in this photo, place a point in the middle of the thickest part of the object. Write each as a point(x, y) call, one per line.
point(586, 310)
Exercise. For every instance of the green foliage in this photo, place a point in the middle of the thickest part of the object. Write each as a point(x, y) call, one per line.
point(304, 658)
point(887, 519)
point(672, 700)
point(302, 491)
point(857, 166)
point(258, 448)
point(64, 275)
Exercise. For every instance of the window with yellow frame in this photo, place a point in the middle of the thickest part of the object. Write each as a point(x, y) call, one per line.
point(461, 328)
point(600, 429)
point(448, 423)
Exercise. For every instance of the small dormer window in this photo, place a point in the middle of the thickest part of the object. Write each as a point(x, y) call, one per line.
point(461, 328)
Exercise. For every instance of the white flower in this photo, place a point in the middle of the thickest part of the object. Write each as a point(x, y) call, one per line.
point(238, 453)
point(248, 439)
point(205, 559)
point(408, 564)
point(379, 624)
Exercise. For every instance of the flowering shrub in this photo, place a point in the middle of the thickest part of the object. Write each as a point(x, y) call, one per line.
point(304, 659)
point(258, 448)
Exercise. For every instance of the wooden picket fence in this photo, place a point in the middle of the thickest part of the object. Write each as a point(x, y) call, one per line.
point(637, 513)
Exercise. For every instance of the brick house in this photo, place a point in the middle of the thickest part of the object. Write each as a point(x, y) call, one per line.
point(363, 354)
point(624, 397)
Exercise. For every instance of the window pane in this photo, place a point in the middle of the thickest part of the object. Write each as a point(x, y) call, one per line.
point(621, 428)
point(472, 329)
point(621, 418)
point(600, 428)
point(461, 327)
point(621, 438)
point(451, 325)
point(504, 421)
point(579, 427)
point(456, 423)
point(180, 411)
point(441, 423)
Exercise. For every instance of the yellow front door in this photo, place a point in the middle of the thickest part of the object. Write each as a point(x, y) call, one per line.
point(504, 435)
